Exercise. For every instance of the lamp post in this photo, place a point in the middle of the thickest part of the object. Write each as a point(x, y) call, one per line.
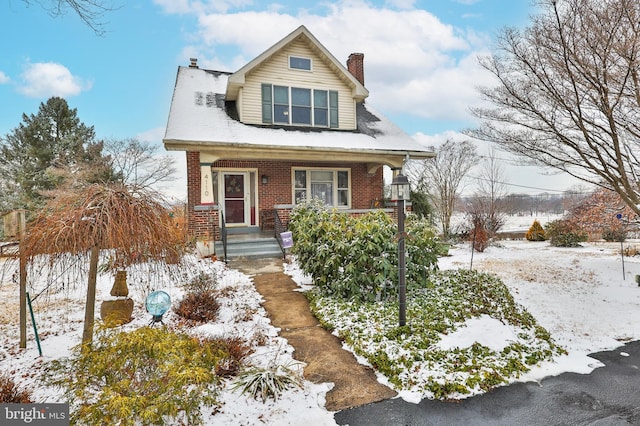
point(400, 191)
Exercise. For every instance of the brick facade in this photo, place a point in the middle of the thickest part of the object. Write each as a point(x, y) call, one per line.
point(203, 220)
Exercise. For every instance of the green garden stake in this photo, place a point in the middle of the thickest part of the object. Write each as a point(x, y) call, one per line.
point(619, 217)
point(33, 321)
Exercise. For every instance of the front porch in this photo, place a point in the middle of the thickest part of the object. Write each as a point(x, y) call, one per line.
point(254, 242)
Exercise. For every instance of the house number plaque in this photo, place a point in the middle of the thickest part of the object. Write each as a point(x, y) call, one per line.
point(206, 193)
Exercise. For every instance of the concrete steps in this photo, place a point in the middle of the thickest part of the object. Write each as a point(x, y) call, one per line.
point(249, 244)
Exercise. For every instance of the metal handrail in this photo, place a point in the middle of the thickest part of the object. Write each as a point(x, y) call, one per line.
point(223, 236)
point(278, 229)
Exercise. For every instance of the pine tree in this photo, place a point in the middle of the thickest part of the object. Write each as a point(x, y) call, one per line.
point(47, 151)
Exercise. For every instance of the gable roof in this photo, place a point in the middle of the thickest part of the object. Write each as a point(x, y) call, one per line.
point(237, 79)
point(200, 120)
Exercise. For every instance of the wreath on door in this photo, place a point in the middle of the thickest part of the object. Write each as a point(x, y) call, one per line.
point(233, 186)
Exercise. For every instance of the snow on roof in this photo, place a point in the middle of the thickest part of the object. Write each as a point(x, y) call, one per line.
point(198, 115)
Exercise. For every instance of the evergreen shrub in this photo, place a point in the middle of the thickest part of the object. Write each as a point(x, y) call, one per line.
point(562, 233)
point(536, 232)
point(148, 376)
point(357, 257)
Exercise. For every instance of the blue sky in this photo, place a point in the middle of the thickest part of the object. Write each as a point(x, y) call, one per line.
point(420, 58)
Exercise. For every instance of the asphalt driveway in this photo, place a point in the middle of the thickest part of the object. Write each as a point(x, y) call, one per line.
point(610, 395)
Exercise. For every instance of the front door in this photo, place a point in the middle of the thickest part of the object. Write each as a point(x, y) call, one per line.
point(235, 197)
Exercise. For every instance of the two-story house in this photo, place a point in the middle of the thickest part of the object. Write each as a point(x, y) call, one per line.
point(291, 125)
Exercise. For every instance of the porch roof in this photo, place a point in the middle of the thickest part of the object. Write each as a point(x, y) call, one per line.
point(200, 120)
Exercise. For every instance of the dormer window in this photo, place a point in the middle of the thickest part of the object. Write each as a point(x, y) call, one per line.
point(299, 63)
point(299, 106)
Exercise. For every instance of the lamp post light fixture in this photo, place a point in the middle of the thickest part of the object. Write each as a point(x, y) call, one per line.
point(400, 191)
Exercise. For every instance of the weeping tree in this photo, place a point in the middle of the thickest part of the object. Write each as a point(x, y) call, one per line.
point(134, 224)
point(567, 93)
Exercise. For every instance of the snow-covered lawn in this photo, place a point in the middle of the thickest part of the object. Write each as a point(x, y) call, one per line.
point(578, 294)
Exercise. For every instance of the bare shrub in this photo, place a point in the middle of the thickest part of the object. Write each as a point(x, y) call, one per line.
point(200, 307)
point(203, 282)
point(10, 393)
point(237, 349)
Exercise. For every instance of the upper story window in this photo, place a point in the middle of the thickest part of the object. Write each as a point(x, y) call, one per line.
point(299, 106)
point(298, 63)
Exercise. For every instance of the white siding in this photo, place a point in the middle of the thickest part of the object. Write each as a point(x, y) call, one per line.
point(276, 71)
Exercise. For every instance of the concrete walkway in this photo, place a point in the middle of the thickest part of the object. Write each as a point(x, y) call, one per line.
point(354, 384)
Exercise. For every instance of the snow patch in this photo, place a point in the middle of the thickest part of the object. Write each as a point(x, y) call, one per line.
point(484, 330)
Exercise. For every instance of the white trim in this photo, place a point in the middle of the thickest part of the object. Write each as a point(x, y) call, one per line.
point(335, 188)
point(312, 107)
point(247, 198)
point(300, 69)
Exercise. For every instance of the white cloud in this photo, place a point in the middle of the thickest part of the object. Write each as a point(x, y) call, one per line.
point(153, 136)
point(467, 2)
point(198, 7)
point(4, 79)
point(43, 79)
point(175, 6)
point(407, 50)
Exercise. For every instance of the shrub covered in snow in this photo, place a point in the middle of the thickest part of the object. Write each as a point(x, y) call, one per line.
point(429, 355)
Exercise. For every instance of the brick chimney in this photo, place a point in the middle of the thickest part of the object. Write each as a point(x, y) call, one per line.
point(355, 65)
point(193, 62)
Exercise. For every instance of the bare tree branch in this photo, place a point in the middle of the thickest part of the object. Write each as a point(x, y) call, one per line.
point(568, 92)
point(488, 203)
point(441, 177)
point(91, 12)
point(138, 165)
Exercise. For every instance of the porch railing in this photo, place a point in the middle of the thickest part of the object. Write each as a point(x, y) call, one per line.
point(279, 227)
point(223, 236)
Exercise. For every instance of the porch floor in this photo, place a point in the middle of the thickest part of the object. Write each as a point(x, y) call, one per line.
point(249, 233)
